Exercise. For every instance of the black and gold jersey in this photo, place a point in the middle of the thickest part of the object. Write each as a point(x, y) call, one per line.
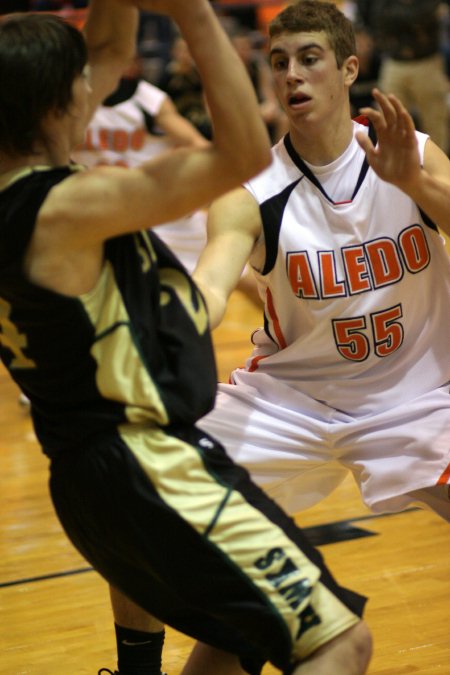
point(135, 349)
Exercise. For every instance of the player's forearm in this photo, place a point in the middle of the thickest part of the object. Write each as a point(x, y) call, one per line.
point(216, 305)
point(217, 274)
point(215, 289)
point(240, 135)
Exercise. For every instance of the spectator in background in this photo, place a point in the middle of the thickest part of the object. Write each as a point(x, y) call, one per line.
point(181, 81)
point(369, 70)
point(244, 12)
point(9, 6)
point(155, 37)
point(444, 16)
point(408, 35)
point(56, 5)
point(46, 5)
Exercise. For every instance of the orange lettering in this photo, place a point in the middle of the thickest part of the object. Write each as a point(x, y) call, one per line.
point(384, 262)
point(356, 267)
point(301, 276)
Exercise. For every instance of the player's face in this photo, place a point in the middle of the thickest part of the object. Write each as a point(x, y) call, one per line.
point(307, 80)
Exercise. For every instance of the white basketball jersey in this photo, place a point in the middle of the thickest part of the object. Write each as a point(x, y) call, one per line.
point(118, 134)
point(356, 283)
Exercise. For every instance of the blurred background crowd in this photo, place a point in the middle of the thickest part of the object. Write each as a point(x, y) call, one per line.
point(403, 47)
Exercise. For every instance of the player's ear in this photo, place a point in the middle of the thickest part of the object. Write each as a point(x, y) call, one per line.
point(350, 69)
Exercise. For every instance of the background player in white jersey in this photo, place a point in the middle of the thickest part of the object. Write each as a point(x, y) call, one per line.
point(135, 123)
point(351, 370)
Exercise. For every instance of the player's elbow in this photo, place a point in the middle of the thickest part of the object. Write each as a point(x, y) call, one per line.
point(251, 162)
point(250, 155)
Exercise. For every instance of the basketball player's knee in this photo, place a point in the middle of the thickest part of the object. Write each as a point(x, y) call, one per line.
point(356, 649)
point(362, 646)
point(349, 653)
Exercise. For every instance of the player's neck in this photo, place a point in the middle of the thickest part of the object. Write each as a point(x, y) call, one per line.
point(321, 147)
point(42, 156)
point(9, 164)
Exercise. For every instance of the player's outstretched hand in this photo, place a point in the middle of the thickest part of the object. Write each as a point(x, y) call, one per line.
point(395, 158)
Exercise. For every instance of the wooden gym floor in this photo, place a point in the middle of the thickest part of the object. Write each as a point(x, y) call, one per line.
point(54, 610)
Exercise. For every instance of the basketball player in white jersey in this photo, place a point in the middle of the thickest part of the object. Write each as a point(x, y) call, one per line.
point(137, 122)
point(351, 370)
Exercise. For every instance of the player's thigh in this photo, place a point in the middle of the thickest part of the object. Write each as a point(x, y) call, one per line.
point(399, 450)
point(285, 450)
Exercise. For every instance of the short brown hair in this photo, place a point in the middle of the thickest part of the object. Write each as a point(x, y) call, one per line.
point(306, 16)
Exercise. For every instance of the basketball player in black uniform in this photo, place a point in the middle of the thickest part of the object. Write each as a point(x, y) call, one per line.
point(108, 337)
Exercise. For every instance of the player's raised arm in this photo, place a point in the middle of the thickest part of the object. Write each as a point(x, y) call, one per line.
point(239, 133)
point(240, 137)
point(110, 33)
point(177, 183)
